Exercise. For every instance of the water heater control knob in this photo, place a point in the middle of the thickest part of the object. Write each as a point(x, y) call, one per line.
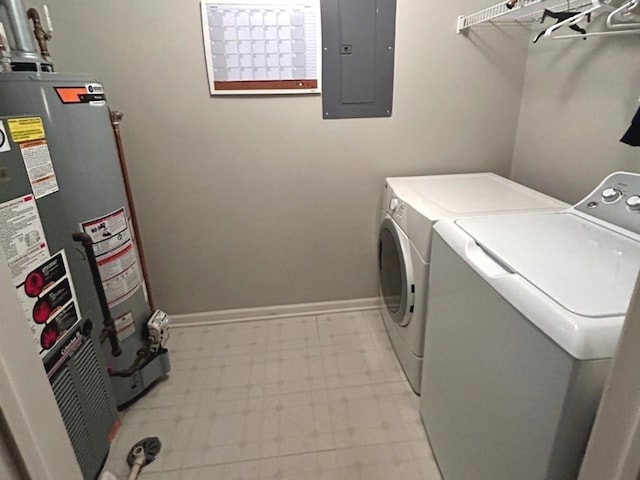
point(633, 202)
point(393, 204)
point(611, 194)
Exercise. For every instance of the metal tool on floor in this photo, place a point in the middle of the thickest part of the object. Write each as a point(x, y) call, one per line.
point(142, 453)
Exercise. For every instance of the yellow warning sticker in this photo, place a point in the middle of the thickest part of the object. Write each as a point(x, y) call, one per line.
point(26, 129)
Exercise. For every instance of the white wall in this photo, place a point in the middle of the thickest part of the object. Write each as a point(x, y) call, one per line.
point(579, 98)
point(249, 202)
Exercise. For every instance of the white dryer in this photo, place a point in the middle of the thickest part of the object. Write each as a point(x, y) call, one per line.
point(411, 206)
point(524, 315)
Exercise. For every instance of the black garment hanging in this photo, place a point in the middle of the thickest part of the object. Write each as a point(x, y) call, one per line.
point(561, 17)
point(632, 135)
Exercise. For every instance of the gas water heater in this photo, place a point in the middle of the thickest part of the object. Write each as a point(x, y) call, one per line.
point(65, 230)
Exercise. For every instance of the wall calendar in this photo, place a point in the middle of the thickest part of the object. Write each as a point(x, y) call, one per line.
point(262, 47)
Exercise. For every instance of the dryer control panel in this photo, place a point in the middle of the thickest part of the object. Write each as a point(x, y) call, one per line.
point(616, 200)
point(394, 206)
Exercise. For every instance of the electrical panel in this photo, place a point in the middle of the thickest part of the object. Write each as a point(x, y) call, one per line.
point(358, 48)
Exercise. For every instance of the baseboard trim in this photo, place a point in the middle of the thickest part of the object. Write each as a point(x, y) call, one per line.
point(277, 311)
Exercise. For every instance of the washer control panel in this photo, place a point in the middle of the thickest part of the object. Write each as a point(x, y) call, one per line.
point(616, 200)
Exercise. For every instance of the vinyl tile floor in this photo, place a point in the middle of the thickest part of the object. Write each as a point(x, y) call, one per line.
point(317, 397)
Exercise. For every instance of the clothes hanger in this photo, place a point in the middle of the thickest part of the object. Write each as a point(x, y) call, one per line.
point(561, 17)
point(598, 7)
point(624, 11)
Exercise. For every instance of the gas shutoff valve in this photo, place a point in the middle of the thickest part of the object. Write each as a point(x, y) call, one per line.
point(158, 326)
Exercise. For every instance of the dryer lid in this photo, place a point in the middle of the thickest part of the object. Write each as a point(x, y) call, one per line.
point(459, 195)
point(588, 269)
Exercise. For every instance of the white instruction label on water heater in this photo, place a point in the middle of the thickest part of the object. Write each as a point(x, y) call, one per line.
point(124, 326)
point(39, 168)
point(115, 255)
point(120, 275)
point(21, 236)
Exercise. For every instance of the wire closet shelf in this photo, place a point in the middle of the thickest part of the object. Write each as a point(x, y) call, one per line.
point(525, 11)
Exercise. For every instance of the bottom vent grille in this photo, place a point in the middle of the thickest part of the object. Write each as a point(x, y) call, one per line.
point(88, 409)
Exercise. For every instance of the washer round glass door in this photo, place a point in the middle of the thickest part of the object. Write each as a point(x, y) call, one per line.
point(395, 272)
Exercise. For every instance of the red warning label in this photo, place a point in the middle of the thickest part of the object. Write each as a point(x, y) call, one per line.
point(88, 94)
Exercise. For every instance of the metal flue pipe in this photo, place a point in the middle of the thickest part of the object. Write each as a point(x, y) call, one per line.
point(24, 49)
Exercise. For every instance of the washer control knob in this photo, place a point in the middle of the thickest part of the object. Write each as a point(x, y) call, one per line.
point(393, 204)
point(611, 194)
point(633, 202)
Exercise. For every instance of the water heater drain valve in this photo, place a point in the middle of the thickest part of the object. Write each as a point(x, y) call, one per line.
point(158, 326)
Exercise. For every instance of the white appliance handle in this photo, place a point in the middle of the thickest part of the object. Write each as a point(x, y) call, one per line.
point(466, 247)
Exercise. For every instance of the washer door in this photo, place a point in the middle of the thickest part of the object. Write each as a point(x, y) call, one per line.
point(395, 272)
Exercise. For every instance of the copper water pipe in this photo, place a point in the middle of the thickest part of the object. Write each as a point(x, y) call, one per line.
point(39, 32)
point(116, 118)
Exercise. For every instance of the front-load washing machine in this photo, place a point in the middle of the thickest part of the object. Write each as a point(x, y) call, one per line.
point(411, 205)
point(524, 315)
